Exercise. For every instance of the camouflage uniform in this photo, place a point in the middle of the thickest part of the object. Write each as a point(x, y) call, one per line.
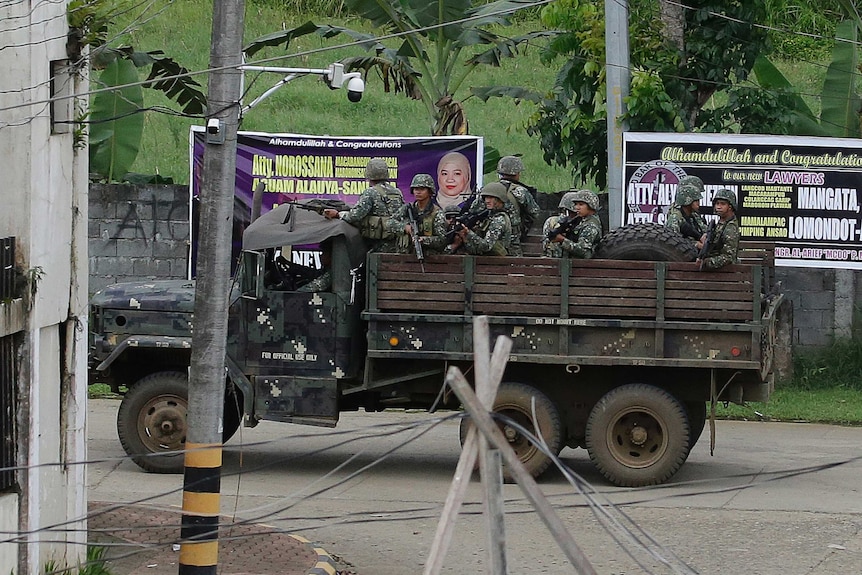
point(424, 220)
point(688, 191)
point(323, 282)
point(492, 237)
point(580, 242)
point(372, 214)
point(524, 210)
point(688, 226)
point(724, 247)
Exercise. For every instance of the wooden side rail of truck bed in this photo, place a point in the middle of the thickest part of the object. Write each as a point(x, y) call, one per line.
point(547, 287)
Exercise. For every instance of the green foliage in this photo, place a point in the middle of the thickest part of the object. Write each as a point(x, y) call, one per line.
point(428, 63)
point(116, 131)
point(840, 98)
point(95, 562)
point(836, 406)
point(841, 103)
point(817, 18)
point(671, 87)
point(116, 124)
point(835, 366)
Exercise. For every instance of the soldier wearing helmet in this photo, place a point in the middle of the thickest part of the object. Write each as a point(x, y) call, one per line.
point(492, 234)
point(723, 245)
point(522, 207)
point(445, 228)
point(577, 230)
point(683, 216)
point(423, 210)
point(375, 208)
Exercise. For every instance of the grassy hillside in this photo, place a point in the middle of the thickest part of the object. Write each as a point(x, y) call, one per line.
point(182, 30)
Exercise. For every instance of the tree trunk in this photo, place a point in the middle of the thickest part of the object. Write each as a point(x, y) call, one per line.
point(673, 23)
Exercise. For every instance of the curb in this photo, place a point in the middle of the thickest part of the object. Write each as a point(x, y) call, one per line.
point(325, 564)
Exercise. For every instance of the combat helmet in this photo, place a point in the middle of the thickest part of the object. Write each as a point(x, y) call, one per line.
point(567, 202)
point(495, 190)
point(687, 194)
point(376, 170)
point(725, 194)
point(423, 181)
point(452, 210)
point(586, 196)
point(510, 166)
point(691, 181)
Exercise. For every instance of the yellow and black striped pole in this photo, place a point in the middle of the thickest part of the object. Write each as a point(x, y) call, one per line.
point(201, 505)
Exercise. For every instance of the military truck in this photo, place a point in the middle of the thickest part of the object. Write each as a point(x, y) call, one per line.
point(619, 357)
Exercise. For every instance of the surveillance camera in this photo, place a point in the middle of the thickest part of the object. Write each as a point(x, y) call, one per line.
point(215, 135)
point(355, 87)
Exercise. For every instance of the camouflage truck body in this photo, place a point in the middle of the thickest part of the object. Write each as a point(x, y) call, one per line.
point(621, 360)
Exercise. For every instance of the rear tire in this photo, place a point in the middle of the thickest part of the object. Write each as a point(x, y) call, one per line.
point(637, 435)
point(646, 242)
point(514, 400)
point(152, 421)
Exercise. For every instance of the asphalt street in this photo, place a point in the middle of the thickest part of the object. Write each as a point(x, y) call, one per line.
point(775, 498)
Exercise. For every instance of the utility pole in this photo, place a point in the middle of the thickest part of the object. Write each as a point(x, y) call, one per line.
point(618, 77)
point(203, 458)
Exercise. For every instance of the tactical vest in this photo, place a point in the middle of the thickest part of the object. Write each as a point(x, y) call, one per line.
point(376, 226)
point(498, 249)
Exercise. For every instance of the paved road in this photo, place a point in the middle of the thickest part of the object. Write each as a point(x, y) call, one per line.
point(774, 499)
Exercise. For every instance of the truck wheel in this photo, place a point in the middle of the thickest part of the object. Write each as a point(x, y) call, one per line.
point(647, 242)
point(152, 420)
point(638, 434)
point(514, 400)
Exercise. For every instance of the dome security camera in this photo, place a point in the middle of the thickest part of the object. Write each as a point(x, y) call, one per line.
point(355, 87)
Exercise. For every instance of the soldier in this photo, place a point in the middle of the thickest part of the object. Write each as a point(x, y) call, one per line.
point(493, 234)
point(577, 233)
point(724, 243)
point(373, 211)
point(424, 211)
point(683, 216)
point(523, 209)
point(444, 239)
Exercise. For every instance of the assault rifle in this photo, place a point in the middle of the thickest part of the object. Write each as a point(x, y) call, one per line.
point(688, 230)
point(707, 243)
point(564, 226)
point(468, 220)
point(417, 244)
point(319, 204)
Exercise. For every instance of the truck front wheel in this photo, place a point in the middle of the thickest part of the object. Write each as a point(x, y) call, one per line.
point(514, 400)
point(152, 421)
point(638, 435)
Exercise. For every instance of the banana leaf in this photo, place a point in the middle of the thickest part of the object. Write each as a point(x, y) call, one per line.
point(841, 102)
point(770, 78)
point(116, 122)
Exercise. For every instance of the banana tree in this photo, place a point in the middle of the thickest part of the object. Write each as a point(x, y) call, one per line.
point(841, 104)
point(115, 117)
point(439, 44)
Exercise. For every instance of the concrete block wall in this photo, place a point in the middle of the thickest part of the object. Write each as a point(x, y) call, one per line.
point(138, 232)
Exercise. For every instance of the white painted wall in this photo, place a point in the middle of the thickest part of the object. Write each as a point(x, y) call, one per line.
point(43, 203)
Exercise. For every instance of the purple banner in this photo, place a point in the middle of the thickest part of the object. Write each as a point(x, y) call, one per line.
point(300, 166)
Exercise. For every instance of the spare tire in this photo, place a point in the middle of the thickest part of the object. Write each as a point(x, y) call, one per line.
point(647, 242)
